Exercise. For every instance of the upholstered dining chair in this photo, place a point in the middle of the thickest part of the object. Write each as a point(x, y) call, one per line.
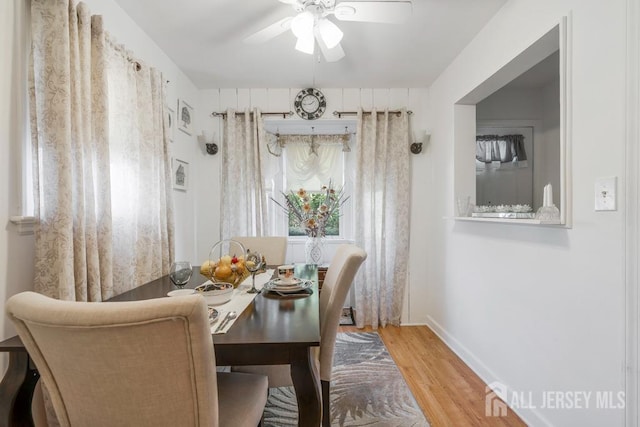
point(340, 275)
point(273, 248)
point(139, 363)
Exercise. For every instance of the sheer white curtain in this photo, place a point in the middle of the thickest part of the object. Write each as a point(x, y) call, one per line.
point(244, 201)
point(312, 170)
point(382, 206)
point(101, 162)
point(142, 203)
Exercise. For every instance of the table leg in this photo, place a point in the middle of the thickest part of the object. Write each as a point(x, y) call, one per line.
point(307, 388)
point(16, 391)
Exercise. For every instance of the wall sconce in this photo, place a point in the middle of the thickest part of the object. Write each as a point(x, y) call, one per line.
point(422, 138)
point(211, 147)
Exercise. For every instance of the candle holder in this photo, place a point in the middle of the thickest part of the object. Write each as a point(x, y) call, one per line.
point(548, 213)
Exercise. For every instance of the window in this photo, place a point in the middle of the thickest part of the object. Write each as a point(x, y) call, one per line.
point(311, 169)
point(311, 161)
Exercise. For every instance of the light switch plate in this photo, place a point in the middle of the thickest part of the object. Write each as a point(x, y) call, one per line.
point(605, 194)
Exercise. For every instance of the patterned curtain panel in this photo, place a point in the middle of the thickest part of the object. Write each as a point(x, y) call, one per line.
point(102, 171)
point(244, 202)
point(382, 206)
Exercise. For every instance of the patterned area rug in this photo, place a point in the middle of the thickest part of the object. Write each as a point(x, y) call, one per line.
point(367, 389)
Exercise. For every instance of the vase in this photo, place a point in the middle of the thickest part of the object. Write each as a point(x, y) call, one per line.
point(313, 250)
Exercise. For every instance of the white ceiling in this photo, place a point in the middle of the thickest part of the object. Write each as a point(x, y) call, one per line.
point(204, 38)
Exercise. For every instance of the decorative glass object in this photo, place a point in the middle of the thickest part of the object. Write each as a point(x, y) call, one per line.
point(314, 250)
point(226, 263)
point(548, 213)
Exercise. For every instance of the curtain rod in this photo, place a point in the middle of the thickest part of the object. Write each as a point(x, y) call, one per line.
point(284, 114)
point(355, 113)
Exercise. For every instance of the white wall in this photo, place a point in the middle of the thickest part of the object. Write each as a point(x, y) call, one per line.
point(537, 308)
point(17, 251)
point(281, 99)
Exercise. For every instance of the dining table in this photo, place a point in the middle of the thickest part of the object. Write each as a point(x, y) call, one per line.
point(272, 330)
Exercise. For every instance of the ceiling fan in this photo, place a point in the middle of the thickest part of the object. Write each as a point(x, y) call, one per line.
point(311, 25)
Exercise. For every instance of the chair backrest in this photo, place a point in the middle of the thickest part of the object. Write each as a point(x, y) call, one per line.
point(142, 363)
point(337, 281)
point(273, 248)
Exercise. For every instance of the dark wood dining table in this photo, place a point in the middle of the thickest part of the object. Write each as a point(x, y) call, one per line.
point(272, 330)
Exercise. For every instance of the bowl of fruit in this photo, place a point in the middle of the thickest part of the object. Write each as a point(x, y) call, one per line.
point(226, 263)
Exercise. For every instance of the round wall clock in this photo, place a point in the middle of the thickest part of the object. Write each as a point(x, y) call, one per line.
point(310, 104)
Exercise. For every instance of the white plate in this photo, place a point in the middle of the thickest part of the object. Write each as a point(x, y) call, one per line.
point(273, 286)
point(181, 292)
point(293, 282)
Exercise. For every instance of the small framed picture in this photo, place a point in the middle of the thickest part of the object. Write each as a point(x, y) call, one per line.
point(171, 119)
point(185, 117)
point(180, 172)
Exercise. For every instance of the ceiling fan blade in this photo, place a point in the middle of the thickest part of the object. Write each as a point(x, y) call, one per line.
point(389, 12)
point(330, 55)
point(270, 32)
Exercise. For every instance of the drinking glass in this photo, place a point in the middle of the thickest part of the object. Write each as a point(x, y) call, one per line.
point(463, 205)
point(253, 263)
point(180, 273)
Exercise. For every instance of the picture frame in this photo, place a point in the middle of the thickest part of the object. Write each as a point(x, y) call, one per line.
point(180, 174)
point(185, 117)
point(171, 119)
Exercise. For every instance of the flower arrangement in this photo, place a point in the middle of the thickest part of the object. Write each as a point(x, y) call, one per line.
point(313, 212)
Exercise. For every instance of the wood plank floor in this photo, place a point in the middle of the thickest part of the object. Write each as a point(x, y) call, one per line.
point(447, 390)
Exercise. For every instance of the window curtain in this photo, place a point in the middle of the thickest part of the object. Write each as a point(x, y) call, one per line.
point(312, 168)
point(243, 209)
point(382, 206)
point(501, 148)
point(101, 162)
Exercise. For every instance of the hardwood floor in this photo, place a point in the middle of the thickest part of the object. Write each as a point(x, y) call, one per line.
point(447, 390)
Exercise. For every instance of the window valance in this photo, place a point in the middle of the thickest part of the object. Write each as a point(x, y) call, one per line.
point(500, 148)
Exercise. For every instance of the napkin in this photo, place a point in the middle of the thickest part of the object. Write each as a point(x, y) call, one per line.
point(239, 301)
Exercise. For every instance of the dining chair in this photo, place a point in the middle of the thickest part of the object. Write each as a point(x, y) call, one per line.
point(138, 363)
point(273, 248)
point(340, 274)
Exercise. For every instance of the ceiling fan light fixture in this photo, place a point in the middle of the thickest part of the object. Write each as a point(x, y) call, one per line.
point(330, 33)
point(302, 25)
point(306, 44)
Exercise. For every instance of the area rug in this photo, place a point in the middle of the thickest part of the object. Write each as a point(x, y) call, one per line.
point(367, 389)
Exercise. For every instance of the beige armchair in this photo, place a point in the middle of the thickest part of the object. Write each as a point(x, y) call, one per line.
point(340, 275)
point(273, 248)
point(142, 363)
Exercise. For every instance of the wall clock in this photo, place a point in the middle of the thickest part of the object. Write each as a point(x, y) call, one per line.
point(310, 103)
